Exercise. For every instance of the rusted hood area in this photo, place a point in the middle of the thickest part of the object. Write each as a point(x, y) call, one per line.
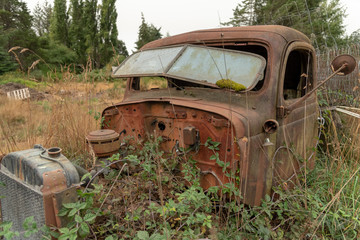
point(239, 117)
point(187, 124)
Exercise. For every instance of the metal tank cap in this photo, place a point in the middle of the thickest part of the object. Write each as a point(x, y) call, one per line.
point(54, 151)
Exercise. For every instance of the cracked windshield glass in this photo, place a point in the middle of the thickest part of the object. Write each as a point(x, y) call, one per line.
point(196, 64)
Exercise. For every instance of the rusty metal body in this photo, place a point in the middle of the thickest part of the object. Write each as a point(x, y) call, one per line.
point(186, 114)
point(103, 142)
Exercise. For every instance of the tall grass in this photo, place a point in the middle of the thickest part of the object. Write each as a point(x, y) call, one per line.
point(325, 204)
point(70, 110)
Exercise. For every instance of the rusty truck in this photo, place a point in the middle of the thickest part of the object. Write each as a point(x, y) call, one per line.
point(251, 90)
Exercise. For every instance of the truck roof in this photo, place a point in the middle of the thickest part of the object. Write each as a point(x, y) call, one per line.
point(230, 34)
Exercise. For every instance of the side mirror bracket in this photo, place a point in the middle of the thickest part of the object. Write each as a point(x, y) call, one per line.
point(341, 65)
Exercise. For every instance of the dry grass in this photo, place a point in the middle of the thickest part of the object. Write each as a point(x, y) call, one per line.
point(70, 111)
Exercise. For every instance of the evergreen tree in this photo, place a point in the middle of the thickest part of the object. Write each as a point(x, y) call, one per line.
point(108, 31)
point(91, 32)
point(76, 30)
point(15, 30)
point(354, 37)
point(6, 63)
point(42, 16)
point(15, 20)
point(59, 23)
point(246, 13)
point(320, 20)
point(328, 24)
point(147, 33)
point(121, 47)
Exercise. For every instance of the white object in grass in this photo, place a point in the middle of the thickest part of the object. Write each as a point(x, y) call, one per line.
point(19, 94)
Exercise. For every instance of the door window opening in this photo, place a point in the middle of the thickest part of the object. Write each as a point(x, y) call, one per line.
point(298, 74)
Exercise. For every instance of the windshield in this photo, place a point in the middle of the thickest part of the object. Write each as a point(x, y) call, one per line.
point(197, 64)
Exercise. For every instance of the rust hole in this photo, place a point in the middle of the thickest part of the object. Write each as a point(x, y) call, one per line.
point(161, 126)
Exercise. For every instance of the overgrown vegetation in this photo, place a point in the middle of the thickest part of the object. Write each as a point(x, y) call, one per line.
point(152, 194)
point(151, 199)
point(156, 195)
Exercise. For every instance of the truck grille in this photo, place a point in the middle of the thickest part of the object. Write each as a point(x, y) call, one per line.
point(20, 201)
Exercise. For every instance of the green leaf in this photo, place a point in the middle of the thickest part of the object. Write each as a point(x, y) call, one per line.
point(213, 157)
point(70, 205)
point(64, 230)
point(87, 175)
point(143, 235)
point(84, 229)
point(267, 198)
point(29, 226)
point(74, 230)
point(10, 235)
point(82, 205)
point(216, 144)
point(78, 219)
point(6, 226)
point(63, 212)
point(72, 212)
point(110, 238)
point(89, 217)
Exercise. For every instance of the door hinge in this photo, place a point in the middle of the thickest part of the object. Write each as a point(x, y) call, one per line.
point(280, 112)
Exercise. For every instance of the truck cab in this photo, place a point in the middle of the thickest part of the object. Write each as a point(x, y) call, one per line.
point(241, 87)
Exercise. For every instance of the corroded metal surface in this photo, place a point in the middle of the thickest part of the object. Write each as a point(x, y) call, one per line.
point(232, 34)
point(140, 120)
point(266, 133)
point(61, 197)
point(54, 181)
point(34, 179)
point(346, 59)
point(104, 142)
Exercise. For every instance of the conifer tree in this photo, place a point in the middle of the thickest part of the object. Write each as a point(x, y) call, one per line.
point(42, 16)
point(76, 30)
point(91, 32)
point(320, 20)
point(246, 13)
point(6, 63)
point(108, 31)
point(16, 23)
point(59, 23)
point(15, 30)
point(147, 33)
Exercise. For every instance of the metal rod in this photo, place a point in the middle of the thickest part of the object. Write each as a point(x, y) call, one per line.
point(322, 83)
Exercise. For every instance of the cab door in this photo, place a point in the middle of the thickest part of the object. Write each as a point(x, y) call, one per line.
point(298, 131)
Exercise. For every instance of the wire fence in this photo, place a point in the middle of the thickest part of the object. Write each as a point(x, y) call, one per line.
point(342, 90)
